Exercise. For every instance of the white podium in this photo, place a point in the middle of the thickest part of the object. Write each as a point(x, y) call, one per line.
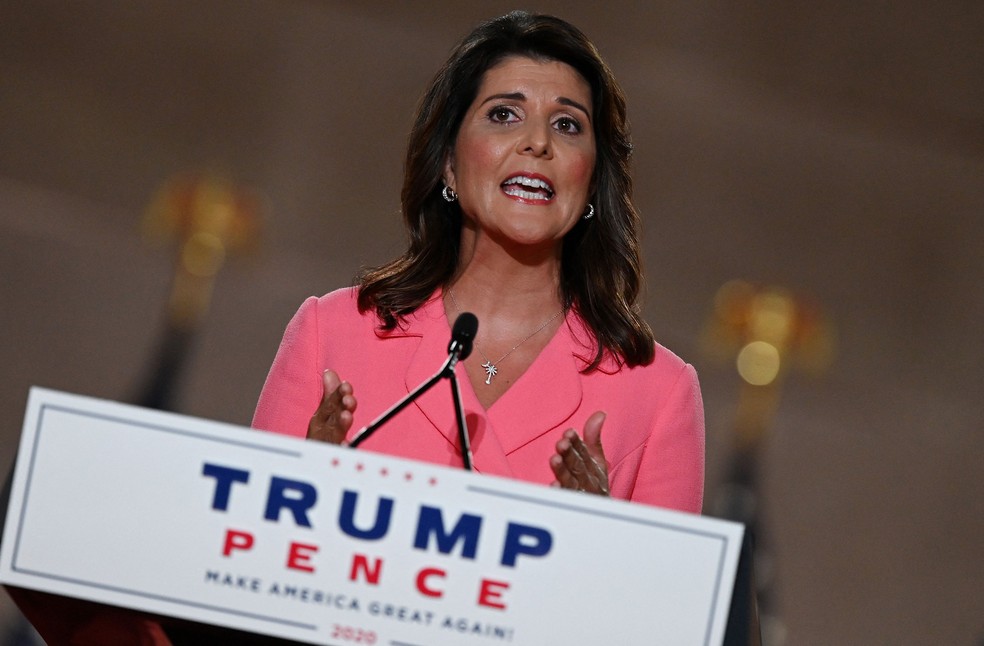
point(197, 521)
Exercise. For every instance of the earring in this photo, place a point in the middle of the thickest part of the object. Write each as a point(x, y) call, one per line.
point(590, 213)
point(448, 194)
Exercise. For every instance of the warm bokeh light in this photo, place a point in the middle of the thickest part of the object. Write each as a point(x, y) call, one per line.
point(769, 329)
point(207, 217)
point(758, 363)
point(203, 254)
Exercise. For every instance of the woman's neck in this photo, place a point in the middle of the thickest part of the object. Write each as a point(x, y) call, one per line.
point(497, 285)
point(519, 308)
point(494, 275)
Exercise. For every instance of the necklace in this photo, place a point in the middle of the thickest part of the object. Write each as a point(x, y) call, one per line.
point(490, 366)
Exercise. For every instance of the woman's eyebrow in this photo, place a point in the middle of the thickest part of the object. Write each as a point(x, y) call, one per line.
point(574, 104)
point(519, 96)
point(511, 96)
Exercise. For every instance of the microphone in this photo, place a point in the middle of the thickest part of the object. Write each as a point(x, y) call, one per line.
point(462, 339)
point(463, 335)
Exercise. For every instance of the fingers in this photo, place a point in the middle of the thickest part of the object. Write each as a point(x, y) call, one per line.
point(592, 437)
point(580, 464)
point(558, 462)
point(333, 418)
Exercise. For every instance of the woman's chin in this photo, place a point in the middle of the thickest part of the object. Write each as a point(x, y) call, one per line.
point(531, 245)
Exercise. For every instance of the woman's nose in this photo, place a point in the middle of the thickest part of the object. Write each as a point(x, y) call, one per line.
point(536, 141)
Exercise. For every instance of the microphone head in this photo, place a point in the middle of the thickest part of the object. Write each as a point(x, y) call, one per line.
point(463, 334)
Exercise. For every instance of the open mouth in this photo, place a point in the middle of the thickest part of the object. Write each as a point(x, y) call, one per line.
point(527, 187)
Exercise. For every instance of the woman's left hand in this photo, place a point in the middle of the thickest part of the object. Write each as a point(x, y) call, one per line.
point(580, 463)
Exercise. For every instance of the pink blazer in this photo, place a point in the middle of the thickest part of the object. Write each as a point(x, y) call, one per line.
point(653, 435)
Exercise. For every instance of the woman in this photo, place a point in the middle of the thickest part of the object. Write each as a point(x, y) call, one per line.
point(517, 200)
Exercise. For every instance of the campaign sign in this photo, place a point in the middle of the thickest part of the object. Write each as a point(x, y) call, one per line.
point(219, 524)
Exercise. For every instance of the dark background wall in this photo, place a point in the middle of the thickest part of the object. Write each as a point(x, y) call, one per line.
point(834, 148)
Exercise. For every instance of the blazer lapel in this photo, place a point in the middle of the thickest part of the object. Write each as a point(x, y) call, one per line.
point(544, 397)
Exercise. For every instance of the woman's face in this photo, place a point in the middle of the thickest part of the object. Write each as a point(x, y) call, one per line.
point(523, 160)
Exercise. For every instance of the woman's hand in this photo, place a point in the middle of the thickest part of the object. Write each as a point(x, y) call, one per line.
point(580, 464)
point(333, 418)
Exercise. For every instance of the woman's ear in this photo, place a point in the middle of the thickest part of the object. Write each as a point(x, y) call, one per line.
point(448, 175)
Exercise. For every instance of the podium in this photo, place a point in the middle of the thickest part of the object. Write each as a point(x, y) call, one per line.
point(192, 531)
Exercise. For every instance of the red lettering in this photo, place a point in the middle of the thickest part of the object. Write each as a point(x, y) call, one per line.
point(236, 540)
point(371, 574)
point(422, 577)
point(491, 592)
point(299, 557)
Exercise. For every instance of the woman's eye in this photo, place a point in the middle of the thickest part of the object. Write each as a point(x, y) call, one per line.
point(568, 125)
point(501, 115)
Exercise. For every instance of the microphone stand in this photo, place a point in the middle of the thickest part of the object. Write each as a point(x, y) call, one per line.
point(446, 372)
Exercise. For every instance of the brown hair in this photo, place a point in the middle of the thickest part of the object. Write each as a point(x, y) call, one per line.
point(600, 267)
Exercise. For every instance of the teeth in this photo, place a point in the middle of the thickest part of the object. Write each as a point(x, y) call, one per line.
point(528, 182)
point(526, 195)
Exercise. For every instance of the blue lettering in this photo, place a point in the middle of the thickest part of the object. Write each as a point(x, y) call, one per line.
point(224, 477)
point(278, 499)
point(431, 523)
point(539, 544)
point(346, 517)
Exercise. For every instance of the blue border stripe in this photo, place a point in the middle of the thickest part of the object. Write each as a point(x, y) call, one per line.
point(167, 429)
point(181, 602)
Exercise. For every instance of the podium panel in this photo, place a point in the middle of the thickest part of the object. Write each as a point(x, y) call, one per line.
point(218, 524)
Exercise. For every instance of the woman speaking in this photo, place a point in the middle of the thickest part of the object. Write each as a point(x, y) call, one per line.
point(517, 204)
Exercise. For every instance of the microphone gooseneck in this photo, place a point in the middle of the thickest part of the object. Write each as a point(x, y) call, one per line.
point(462, 339)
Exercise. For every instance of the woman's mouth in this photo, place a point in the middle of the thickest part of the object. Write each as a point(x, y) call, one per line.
point(529, 188)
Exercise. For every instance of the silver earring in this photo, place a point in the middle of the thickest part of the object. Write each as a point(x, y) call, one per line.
point(448, 194)
point(590, 213)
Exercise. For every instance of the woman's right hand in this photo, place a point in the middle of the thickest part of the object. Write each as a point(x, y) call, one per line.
point(333, 418)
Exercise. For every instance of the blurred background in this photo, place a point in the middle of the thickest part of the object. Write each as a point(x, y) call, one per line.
point(830, 154)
